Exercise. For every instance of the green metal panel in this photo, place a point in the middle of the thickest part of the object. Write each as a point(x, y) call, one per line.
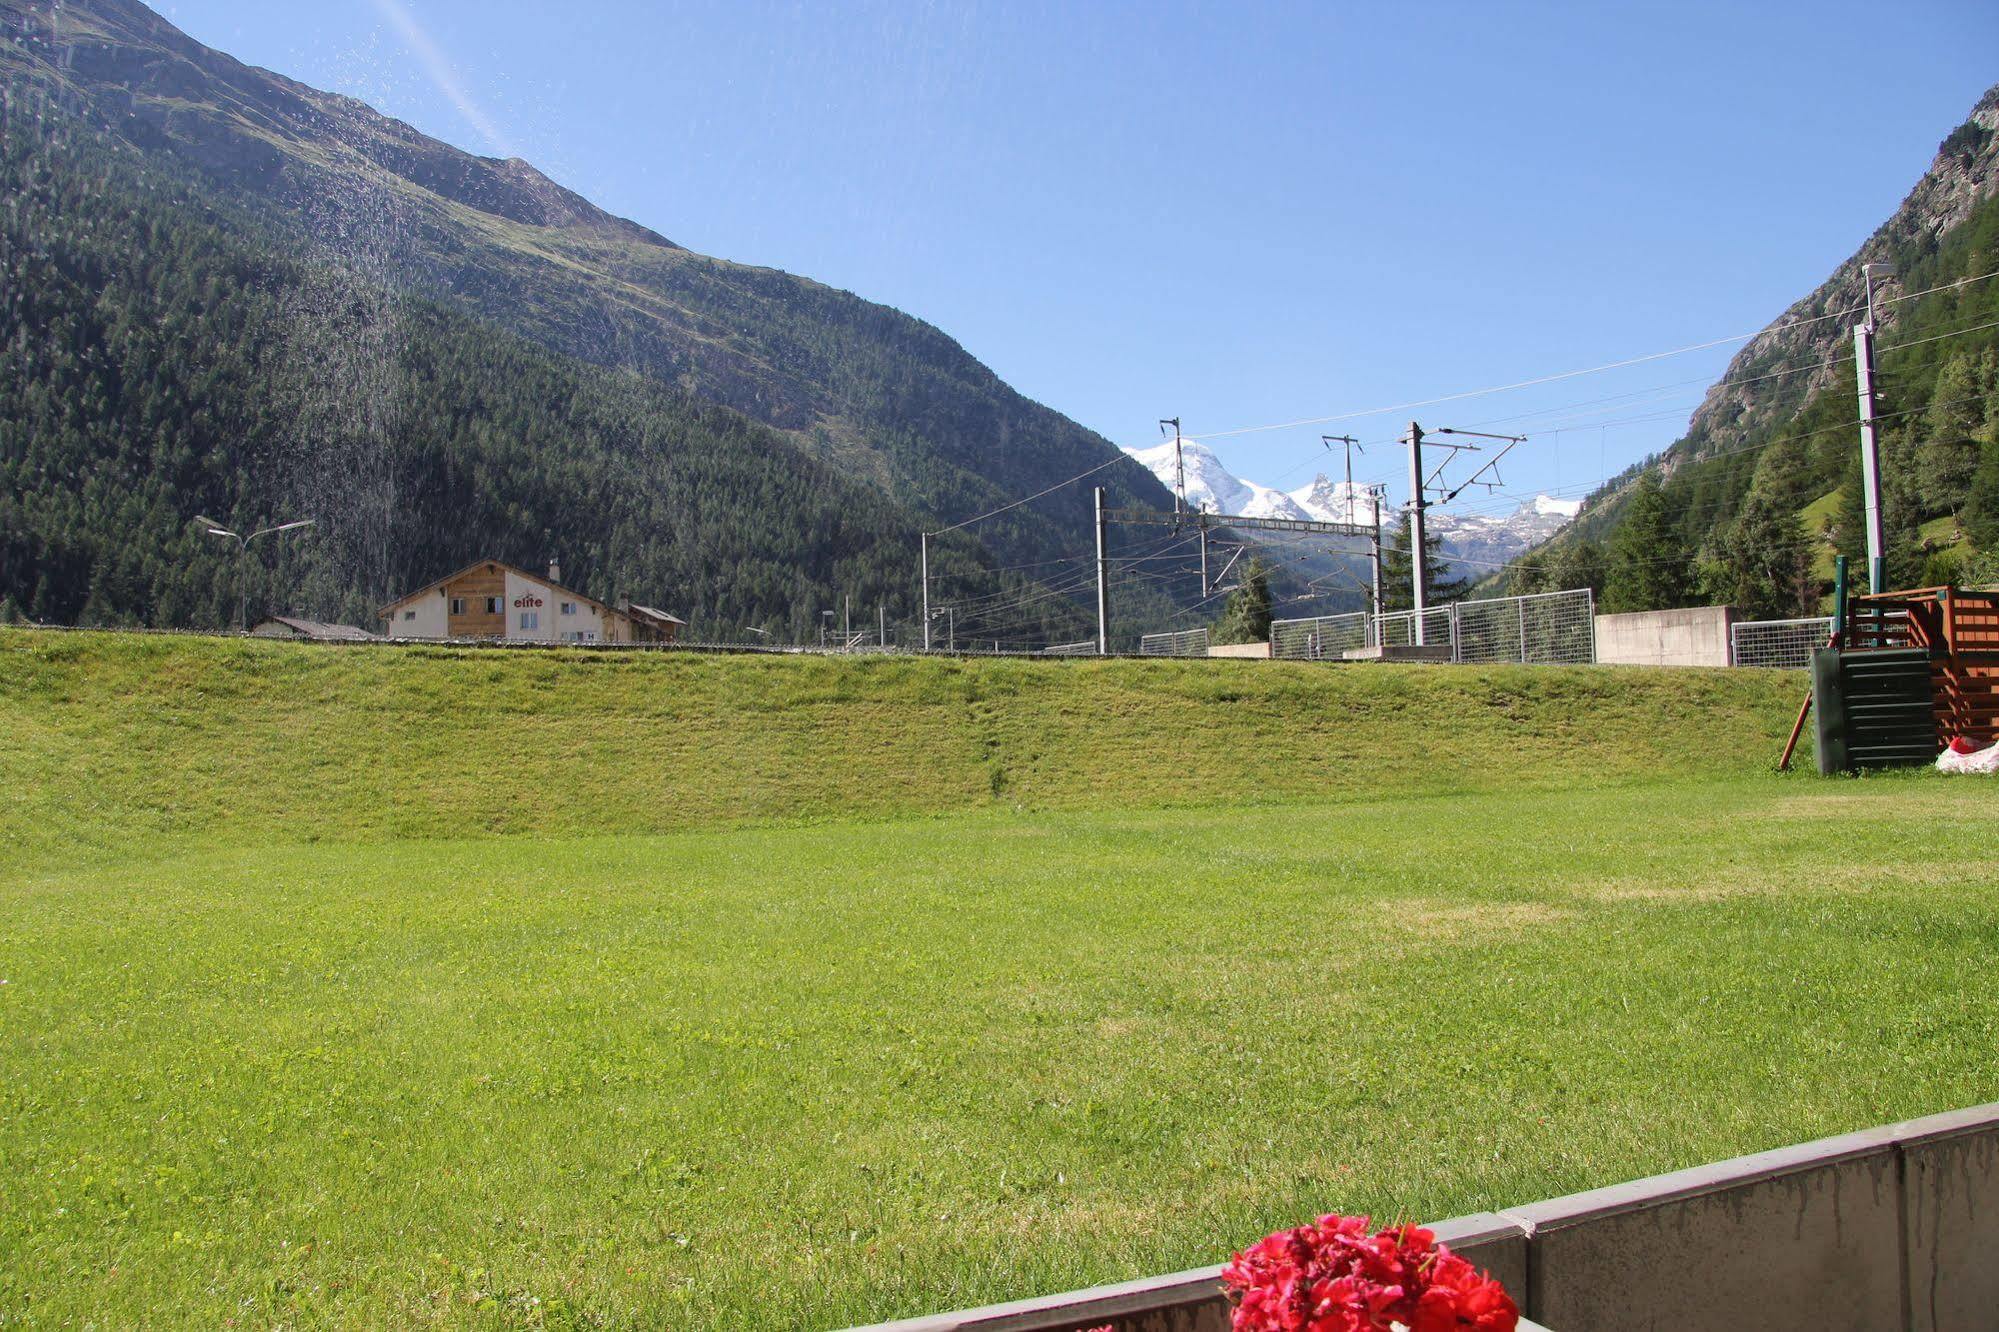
point(1874, 708)
point(1829, 712)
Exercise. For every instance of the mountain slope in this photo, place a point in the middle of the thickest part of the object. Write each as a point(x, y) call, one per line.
point(888, 423)
point(889, 397)
point(1781, 421)
point(162, 358)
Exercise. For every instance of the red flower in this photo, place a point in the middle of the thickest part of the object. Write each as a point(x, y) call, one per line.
point(1333, 1276)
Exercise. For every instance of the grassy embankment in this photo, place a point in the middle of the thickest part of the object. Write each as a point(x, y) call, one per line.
point(1016, 987)
point(120, 744)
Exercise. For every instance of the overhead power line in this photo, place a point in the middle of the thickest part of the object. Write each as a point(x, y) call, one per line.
point(1536, 381)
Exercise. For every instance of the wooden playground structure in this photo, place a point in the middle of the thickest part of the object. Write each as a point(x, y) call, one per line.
point(1907, 673)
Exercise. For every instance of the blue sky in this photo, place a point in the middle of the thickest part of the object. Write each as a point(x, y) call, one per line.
point(1240, 214)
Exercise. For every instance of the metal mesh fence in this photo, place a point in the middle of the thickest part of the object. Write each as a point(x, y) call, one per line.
point(1398, 629)
point(1086, 648)
point(1548, 628)
point(1786, 644)
point(1186, 643)
point(1321, 638)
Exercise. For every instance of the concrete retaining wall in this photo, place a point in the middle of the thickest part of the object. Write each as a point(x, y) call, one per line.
point(1890, 1228)
point(1239, 649)
point(1696, 636)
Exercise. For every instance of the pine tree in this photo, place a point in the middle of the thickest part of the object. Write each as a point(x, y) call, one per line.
point(1948, 453)
point(1762, 562)
point(1981, 507)
point(1577, 564)
point(1783, 472)
point(1398, 572)
point(1649, 559)
point(1246, 617)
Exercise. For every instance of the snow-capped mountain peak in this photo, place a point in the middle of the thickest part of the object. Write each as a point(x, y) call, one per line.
point(1482, 541)
point(1213, 487)
point(1330, 501)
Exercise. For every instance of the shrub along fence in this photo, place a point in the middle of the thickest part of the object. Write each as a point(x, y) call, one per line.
point(1889, 1228)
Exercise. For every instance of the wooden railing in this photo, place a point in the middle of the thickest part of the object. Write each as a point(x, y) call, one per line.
point(1960, 631)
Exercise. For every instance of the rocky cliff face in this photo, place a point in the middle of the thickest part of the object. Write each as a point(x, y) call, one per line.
point(1818, 330)
point(162, 89)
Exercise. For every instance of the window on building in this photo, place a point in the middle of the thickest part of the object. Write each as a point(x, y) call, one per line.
point(568, 608)
point(458, 605)
point(493, 606)
point(530, 619)
point(409, 615)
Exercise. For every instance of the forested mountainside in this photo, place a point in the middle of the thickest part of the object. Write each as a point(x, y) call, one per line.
point(332, 279)
point(163, 358)
point(1752, 504)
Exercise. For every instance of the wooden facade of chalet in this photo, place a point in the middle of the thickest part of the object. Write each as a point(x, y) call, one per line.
point(492, 599)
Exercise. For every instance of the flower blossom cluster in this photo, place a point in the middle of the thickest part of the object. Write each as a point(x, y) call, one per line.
point(1333, 1276)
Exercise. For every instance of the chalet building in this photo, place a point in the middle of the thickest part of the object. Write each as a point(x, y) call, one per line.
point(492, 599)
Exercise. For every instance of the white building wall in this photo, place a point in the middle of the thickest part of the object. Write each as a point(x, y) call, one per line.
point(552, 625)
point(426, 617)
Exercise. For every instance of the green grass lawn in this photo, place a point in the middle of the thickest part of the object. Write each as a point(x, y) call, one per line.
point(805, 1077)
point(388, 988)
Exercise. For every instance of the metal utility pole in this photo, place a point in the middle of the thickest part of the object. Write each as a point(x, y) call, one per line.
point(881, 616)
point(926, 591)
point(1351, 445)
point(1103, 584)
point(1870, 447)
point(1375, 494)
point(1417, 573)
point(847, 621)
point(1179, 465)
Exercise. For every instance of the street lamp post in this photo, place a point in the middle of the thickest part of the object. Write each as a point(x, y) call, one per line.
point(216, 529)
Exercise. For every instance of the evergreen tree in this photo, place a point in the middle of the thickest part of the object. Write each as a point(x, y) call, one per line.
point(1981, 507)
point(1783, 472)
point(1948, 455)
point(1398, 570)
point(1576, 564)
point(1529, 573)
point(1649, 560)
point(1762, 563)
point(1246, 617)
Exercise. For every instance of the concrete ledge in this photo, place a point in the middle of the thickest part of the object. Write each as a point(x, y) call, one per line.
point(1792, 1242)
point(1890, 1227)
point(1494, 1242)
point(1427, 652)
point(1183, 1302)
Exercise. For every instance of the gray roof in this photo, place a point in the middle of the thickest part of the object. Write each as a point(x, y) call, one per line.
point(652, 613)
point(319, 629)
